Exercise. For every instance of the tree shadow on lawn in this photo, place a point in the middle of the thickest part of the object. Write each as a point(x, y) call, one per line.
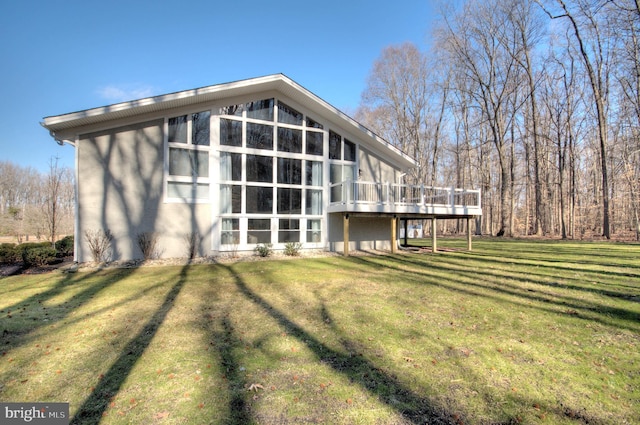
point(96, 404)
point(388, 389)
point(470, 283)
point(225, 339)
point(15, 334)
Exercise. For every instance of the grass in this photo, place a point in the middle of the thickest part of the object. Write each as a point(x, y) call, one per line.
point(513, 332)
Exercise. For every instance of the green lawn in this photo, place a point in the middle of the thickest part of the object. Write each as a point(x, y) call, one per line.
point(513, 332)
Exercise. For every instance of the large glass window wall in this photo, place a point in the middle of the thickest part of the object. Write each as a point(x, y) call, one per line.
point(270, 163)
point(271, 174)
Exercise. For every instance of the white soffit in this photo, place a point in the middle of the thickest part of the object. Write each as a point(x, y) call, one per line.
point(276, 82)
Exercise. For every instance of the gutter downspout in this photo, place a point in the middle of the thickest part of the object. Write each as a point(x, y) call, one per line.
point(58, 140)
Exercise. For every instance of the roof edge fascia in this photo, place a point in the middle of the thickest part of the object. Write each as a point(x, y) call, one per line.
point(65, 122)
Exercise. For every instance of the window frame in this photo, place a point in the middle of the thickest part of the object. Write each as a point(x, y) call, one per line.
point(193, 149)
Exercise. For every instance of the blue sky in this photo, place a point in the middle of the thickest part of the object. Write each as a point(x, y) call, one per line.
point(66, 56)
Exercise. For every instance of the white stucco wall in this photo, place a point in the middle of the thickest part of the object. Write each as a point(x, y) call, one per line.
point(120, 188)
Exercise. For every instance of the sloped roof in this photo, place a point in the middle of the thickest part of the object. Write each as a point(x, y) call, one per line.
point(70, 123)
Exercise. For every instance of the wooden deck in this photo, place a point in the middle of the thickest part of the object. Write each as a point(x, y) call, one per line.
point(409, 201)
point(403, 202)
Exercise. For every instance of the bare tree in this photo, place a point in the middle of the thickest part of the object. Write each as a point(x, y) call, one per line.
point(56, 196)
point(595, 47)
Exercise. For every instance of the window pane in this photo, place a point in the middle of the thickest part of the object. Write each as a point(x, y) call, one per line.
point(230, 132)
point(259, 168)
point(289, 140)
point(230, 166)
point(188, 163)
point(314, 143)
point(335, 171)
point(289, 201)
point(288, 115)
point(313, 202)
point(230, 199)
point(289, 230)
point(232, 110)
point(349, 151)
point(314, 124)
point(230, 231)
point(314, 173)
point(289, 171)
point(259, 136)
point(259, 200)
point(260, 110)
point(314, 231)
point(200, 128)
point(259, 231)
point(334, 145)
point(187, 190)
point(178, 129)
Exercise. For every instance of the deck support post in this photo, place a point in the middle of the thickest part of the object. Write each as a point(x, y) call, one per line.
point(394, 227)
point(434, 242)
point(345, 234)
point(468, 233)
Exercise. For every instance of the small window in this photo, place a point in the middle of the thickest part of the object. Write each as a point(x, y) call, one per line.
point(349, 151)
point(313, 124)
point(259, 231)
point(314, 202)
point(230, 199)
point(187, 190)
point(313, 172)
point(288, 115)
point(314, 143)
point(260, 110)
point(259, 200)
point(289, 140)
point(314, 231)
point(289, 171)
point(259, 168)
point(289, 201)
point(230, 166)
point(259, 136)
point(178, 129)
point(200, 128)
point(230, 132)
point(289, 230)
point(335, 145)
point(232, 110)
point(230, 231)
point(188, 163)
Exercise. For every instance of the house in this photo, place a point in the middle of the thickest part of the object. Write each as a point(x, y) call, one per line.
point(235, 165)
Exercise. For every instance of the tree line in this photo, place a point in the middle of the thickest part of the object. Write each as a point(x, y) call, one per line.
point(535, 102)
point(35, 204)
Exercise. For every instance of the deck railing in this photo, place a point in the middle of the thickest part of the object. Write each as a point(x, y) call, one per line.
point(375, 193)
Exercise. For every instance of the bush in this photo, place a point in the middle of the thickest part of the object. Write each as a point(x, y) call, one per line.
point(292, 249)
point(65, 246)
point(99, 242)
point(9, 253)
point(148, 244)
point(39, 256)
point(192, 240)
point(263, 249)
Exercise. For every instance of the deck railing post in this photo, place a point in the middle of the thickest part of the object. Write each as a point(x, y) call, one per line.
point(423, 201)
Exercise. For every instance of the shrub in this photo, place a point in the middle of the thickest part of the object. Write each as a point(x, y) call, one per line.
point(263, 249)
point(65, 246)
point(292, 249)
point(39, 256)
point(99, 242)
point(148, 244)
point(9, 253)
point(192, 240)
